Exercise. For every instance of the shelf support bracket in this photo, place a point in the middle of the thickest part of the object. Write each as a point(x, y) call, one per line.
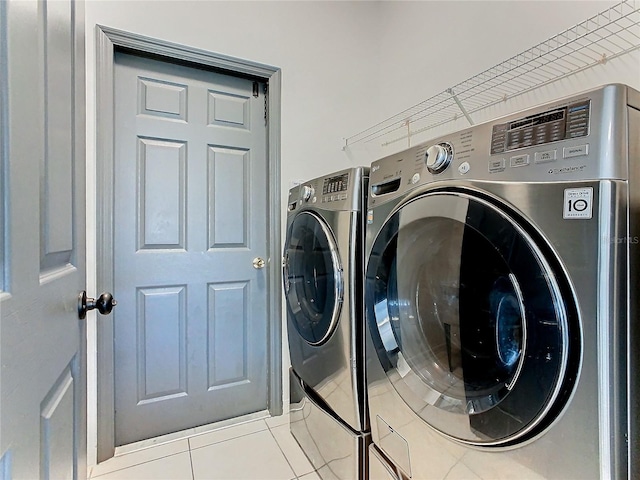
point(460, 106)
point(407, 124)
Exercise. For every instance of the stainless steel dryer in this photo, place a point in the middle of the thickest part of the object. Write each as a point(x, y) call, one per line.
point(323, 275)
point(501, 297)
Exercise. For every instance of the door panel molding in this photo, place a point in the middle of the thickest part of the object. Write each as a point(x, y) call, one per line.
point(56, 433)
point(56, 177)
point(107, 41)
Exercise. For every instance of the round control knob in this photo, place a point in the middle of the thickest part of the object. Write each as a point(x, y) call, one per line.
point(438, 157)
point(307, 192)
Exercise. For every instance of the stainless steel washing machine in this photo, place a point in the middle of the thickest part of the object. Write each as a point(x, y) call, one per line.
point(323, 276)
point(501, 296)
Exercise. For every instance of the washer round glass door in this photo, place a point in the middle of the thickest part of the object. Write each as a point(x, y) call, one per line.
point(312, 278)
point(472, 319)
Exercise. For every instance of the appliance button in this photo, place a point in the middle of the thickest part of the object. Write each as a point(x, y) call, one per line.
point(548, 156)
point(577, 151)
point(519, 161)
point(496, 165)
point(415, 179)
point(464, 167)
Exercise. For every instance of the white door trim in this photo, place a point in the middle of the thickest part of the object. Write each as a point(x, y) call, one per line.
point(107, 41)
point(4, 149)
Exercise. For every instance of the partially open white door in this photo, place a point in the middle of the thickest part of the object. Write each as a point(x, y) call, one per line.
point(42, 240)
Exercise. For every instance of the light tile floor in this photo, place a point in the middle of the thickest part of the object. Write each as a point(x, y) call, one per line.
point(257, 450)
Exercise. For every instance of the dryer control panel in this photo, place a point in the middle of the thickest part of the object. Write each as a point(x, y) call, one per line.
point(338, 191)
point(335, 188)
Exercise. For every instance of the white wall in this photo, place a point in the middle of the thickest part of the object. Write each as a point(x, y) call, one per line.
point(444, 43)
point(345, 66)
point(429, 46)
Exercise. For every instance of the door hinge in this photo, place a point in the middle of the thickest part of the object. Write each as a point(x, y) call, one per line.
point(265, 89)
point(255, 89)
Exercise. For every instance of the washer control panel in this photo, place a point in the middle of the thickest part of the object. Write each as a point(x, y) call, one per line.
point(573, 139)
point(561, 123)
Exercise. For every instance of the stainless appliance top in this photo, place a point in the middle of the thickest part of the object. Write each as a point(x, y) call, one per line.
point(583, 137)
point(338, 191)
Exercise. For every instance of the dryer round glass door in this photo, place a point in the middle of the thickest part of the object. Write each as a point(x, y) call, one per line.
point(313, 280)
point(472, 317)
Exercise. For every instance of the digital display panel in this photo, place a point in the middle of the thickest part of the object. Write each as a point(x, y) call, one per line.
point(336, 184)
point(538, 119)
point(551, 126)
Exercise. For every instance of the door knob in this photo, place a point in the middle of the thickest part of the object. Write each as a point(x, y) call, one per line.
point(104, 303)
point(258, 263)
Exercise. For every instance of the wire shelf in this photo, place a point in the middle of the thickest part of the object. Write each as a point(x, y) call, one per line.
point(607, 35)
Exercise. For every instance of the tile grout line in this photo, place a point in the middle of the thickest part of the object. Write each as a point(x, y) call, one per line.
point(226, 440)
point(295, 475)
point(298, 477)
point(193, 473)
point(136, 465)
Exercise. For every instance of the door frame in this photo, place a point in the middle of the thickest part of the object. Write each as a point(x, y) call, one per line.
point(107, 41)
point(4, 153)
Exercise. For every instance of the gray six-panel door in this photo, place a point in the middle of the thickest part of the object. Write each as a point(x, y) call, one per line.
point(42, 240)
point(190, 218)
